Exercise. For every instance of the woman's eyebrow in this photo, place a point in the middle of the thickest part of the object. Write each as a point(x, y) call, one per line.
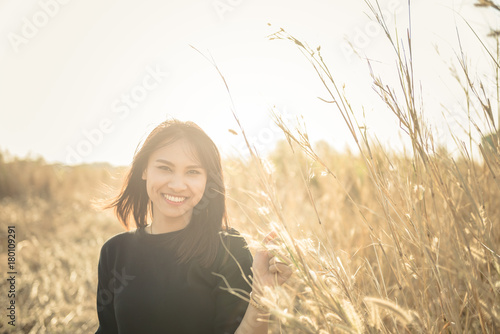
point(166, 162)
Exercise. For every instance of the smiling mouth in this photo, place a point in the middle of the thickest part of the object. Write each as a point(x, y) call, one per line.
point(174, 199)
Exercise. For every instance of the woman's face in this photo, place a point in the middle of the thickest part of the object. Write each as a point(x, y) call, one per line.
point(175, 182)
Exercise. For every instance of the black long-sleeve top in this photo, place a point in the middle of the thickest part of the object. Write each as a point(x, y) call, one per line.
point(143, 290)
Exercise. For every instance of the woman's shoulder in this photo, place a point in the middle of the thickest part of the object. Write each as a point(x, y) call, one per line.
point(233, 245)
point(119, 240)
point(231, 236)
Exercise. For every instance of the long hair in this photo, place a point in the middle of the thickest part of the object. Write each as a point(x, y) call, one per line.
point(200, 238)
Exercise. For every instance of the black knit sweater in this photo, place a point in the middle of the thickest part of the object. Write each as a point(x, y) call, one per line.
point(143, 290)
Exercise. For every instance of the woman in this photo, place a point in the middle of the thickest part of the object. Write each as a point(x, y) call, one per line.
point(176, 273)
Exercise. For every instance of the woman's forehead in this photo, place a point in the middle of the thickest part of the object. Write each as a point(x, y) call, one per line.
point(180, 152)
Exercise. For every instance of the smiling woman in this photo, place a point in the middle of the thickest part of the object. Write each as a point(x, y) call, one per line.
point(172, 273)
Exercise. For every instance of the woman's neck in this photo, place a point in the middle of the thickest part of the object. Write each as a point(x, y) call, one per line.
point(165, 225)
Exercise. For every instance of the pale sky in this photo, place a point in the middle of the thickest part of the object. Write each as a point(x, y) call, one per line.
point(85, 81)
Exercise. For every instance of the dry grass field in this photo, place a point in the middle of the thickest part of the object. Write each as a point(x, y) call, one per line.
point(381, 242)
point(402, 254)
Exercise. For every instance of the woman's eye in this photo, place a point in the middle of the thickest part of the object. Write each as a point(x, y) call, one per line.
point(193, 171)
point(164, 168)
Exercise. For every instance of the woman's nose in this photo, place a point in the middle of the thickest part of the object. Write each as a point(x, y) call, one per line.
point(176, 183)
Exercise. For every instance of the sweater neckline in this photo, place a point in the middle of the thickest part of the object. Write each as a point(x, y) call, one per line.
point(143, 232)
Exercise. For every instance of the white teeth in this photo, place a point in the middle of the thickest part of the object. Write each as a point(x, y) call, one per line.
point(174, 198)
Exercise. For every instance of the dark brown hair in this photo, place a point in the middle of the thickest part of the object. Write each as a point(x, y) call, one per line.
point(199, 239)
